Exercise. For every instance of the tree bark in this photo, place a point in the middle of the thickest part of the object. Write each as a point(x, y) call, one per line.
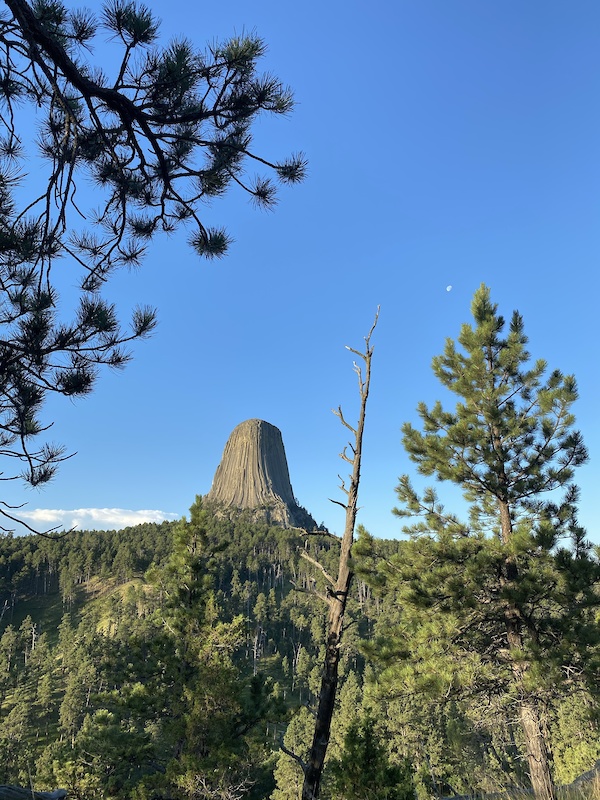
point(338, 594)
point(329, 681)
point(539, 758)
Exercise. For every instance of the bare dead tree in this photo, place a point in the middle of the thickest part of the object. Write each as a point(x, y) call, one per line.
point(223, 787)
point(337, 592)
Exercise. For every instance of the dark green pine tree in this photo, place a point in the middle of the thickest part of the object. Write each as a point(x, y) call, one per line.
point(364, 771)
point(213, 706)
point(500, 605)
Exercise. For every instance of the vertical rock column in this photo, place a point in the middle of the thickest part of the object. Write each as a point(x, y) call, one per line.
point(253, 474)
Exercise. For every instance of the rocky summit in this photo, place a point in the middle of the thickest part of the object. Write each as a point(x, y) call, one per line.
point(253, 475)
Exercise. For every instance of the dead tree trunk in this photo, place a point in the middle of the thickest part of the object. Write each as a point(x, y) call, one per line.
point(337, 592)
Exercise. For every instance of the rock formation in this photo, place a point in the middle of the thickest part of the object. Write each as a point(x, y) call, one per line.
point(253, 475)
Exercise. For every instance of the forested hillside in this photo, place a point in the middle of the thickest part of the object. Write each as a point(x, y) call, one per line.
point(219, 657)
point(173, 660)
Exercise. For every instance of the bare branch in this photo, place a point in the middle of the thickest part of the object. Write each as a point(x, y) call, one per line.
point(345, 457)
point(325, 533)
point(340, 414)
point(50, 533)
point(314, 562)
point(342, 485)
point(293, 755)
point(339, 593)
point(312, 591)
point(337, 502)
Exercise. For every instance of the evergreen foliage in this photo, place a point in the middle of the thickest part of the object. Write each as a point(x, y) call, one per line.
point(364, 771)
point(169, 129)
point(152, 680)
point(502, 607)
point(182, 678)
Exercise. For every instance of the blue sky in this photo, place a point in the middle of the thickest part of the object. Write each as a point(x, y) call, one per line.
point(449, 143)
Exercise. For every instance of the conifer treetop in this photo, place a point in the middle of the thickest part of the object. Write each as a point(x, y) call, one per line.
point(510, 438)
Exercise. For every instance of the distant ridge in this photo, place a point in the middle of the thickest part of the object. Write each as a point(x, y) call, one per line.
point(253, 475)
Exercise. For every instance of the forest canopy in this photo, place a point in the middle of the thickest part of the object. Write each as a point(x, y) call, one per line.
point(113, 645)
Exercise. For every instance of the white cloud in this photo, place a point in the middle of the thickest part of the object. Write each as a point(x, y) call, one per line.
point(90, 519)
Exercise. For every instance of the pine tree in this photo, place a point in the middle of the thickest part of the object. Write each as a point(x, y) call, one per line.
point(289, 775)
point(499, 603)
point(364, 771)
point(576, 736)
point(212, 706)
point(168, 130)
point(15, 738)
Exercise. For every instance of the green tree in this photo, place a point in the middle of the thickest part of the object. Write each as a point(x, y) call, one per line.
point(113, 751)
point(364, 771)
point(212, 706)
point(347, 711)
point(576, 735)
point(8, 657)
point(261, 616)
point(15, 738)
point(498, 604)
point(169, 129)
point(455, 745)
point(76, 700)
point(289, 771)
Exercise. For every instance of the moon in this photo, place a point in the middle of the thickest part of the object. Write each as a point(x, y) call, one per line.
point(449, 288)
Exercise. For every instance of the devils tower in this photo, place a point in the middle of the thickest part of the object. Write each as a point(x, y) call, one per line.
point(253, 475)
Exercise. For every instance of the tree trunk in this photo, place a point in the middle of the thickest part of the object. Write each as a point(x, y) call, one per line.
point(337, 596)
point(329, 681)
point(538, 753)
point(538, 756)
